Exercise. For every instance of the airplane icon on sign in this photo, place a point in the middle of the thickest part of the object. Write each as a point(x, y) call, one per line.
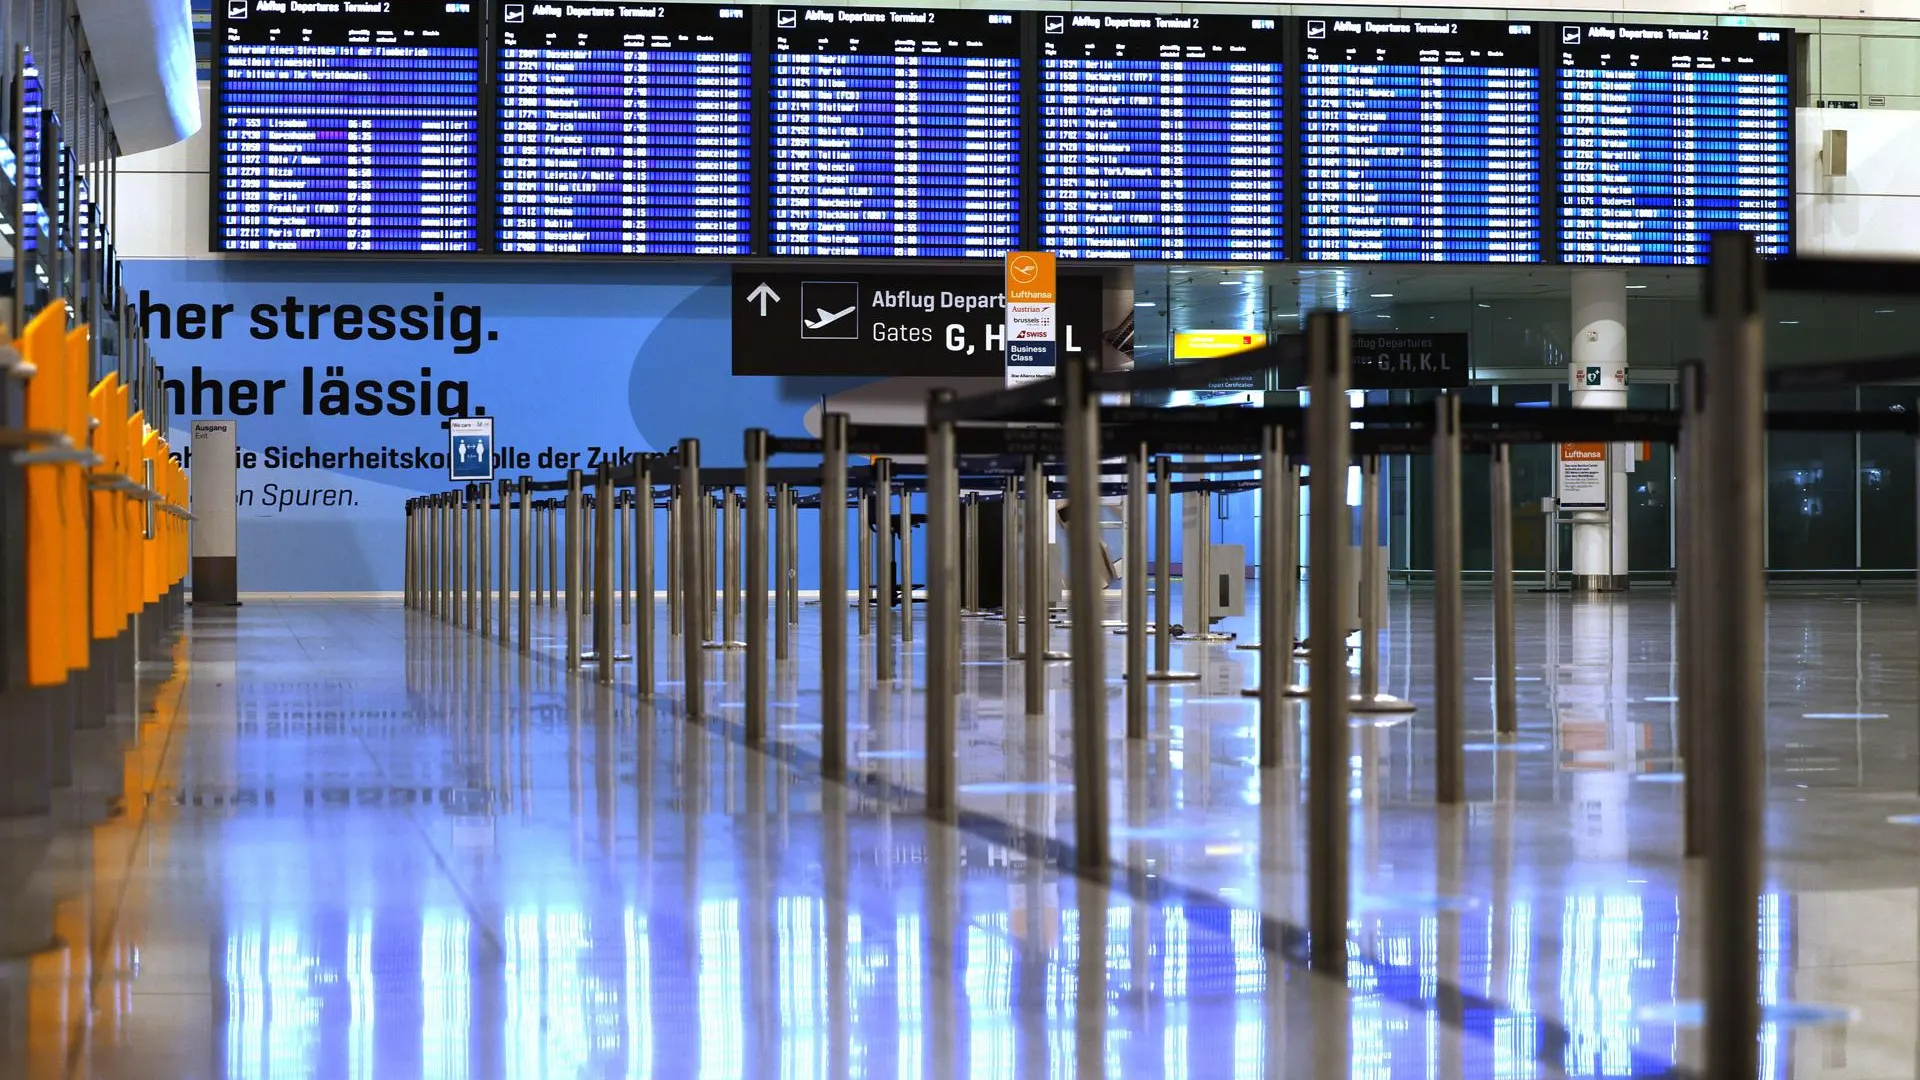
point(824, 318)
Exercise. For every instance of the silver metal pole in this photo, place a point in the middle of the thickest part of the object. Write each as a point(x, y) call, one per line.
point(1276, 637)
point(730, 566)
point(1690, 571)
point(782, 567)
point(833, 595)
point(1733, 522)
point(553, 554)
point(523, 602)
point(1010, 564)
point(1449, 691)
point(862, 568)
point(1370, 700)
point(603, 514)
point(575, 576)
point(625, 561)
point(484, 553)
point(1088, 676)
point(643, 677)
point(676, 581)
point(711, 527)
point(1034, 581)
point(883, 569)
point(463, 558)
point(1135, 569)
point(506, 561)
point(791, 613)
point(943, 612)
point(1329, 777)
point(1163, 577)
point(692, 499)
point(406, 586)
point(970, 554)
point(1506, 697)
point(906, 565)
point(755, 507)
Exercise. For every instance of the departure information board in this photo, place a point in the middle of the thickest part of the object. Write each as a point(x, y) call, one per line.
point(894, 132)
point(624, 129)
point(1669, 133)
point(1421, 141)
point(1161, 136)
point(347, 125)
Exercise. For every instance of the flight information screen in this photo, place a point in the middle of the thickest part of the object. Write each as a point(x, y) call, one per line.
point(1421, 141)
point(624, 129)
point(1161, 136)
point(894, 132)
point(1668, 133)
point(346, 126)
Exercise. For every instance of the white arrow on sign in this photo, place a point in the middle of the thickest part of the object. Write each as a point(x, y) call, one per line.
point(761, 296)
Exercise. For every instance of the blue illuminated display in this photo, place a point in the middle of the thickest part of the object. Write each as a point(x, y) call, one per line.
point(894, 132)
point(1669, 133)
point(624, 130)
point(1161, 137)
point(346, 130)
point(1421, 141)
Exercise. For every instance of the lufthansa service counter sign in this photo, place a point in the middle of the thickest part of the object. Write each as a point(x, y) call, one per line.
point(831, 321)
point(1411, 362)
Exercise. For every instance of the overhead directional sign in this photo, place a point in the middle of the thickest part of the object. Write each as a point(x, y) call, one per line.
point(835, 322)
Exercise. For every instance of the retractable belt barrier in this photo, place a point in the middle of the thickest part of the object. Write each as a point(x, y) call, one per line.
point(1027, 446)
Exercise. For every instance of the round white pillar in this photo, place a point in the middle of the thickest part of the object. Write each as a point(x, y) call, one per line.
point(1598, 376)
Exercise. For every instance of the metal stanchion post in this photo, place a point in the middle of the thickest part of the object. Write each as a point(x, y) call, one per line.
point(462, 561)
point(943, 612)
point(883, 569)
point(1276, 635)
point(1034, 583)
point(790, 615)
point(862, 568)
point(625, 561)
point(603, 553)
point(1370, 701)
point(1134, 567)
point(970, 554)
point(505, 555)
point(643, 576)
point(553, 554)
point(782, 568)
point(1081, 421)
point(1329, 774)
point(483, 552)
point(712, 525)
point(1733, 664)
point(1163, 577)
point(833, 595)
point(1449, 691)
point(1689, 570)
point(730, 568)
point(692, 499)
point(1010, 564)
point(575, 555)
point(1506, 697)
point(406, 575)
point(523, 603)
point(906, 564)
point(755, 508)
point(676, 584)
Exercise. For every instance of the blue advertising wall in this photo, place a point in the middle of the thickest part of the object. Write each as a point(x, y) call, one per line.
point(567, 360)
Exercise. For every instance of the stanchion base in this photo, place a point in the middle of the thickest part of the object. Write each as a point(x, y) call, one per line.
point(1051, 657)
point(724, 645)
point(1378, 703)
point(1206, 638)
point(1122, 632)
point(1173, 676)
point(1295, 690)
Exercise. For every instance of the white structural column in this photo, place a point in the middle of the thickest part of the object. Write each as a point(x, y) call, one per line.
point(1598, 376)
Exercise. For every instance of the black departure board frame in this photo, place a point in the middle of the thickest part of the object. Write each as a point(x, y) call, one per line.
point(1662, 52)
point(1219, 74)
point(1024, 34)
point(667, 88)
point(1418, 141)
point(359, 24)
point(901, 128)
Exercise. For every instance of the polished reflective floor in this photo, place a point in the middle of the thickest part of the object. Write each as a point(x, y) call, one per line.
point(355, 841)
